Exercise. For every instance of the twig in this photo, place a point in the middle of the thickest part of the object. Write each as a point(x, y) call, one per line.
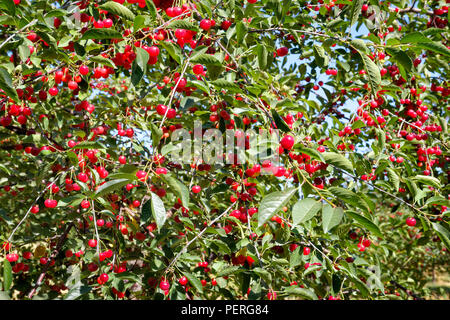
point(23, 28)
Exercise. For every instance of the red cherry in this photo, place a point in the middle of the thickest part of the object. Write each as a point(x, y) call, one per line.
point(92, 243)
point(281, 52)
point(85, 204)
point(153, 51)
point(196, 189)
point(366, 243)
point(306, 251)
point(205, 24)
point(104, 277)
point(164, 285)
point(49, 203)
point(198, 69)
point(84, 70)
point(72, 85)
point(287, 142)
point(411, 221)
point(53, 91)
point(183, 281)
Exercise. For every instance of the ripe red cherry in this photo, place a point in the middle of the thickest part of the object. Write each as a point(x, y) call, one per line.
point(366, 243)
point(183, 281)
point(411, 221)
point(49, 203)
point(35, 209)
point(252, 1)
point(85, 204)
point(153, 51)
point(12, 257)
point(72, 85)
point(306, 251)
point(104, 277)
point(84, 70)
point(271, 295)
point(198, 69)
point(164, 285)
point(196, 189)
point(122, 159)
point(53, 91)
point(92, 243)
point(225, 24)
point(281, 52)
point(107, 23)
point(287, 142)
point(205, 24)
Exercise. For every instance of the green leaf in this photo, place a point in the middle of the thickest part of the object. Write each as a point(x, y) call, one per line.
point(7, 275)
point(241, 31)
point(100, 34)
point(402, 59)
point(349, 197)
point(436, 47)
point(301, 292)
point(309, 151)
point(428, 180)
point(118, 9)
point(264, 274)
point(224, 84)
point(262, 53)
point(394, 179)
point(183, 24)
point(157, 133)
point(279, 122)
point(415, 37)
point(139, 66)
point(338, 160)
point(158, 210)
point(304, 210)
point(178, 188)
point(151, 8)
point(89, 145)
point(331, 217)
point(206, 59)
point(102, 60)
point(439, 200)
point(6, 84)
point(360, 46)
point(110, 186)
point(9, 6)
point(320, 56)
point(272, 203)
point(173, 50)
point(355, 11)
point(443, 233)
point(77, 291)
point(366, 223)
point(373, 72)
point(194, 281)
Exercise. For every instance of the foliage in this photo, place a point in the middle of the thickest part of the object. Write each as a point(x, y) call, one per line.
point(92, 91)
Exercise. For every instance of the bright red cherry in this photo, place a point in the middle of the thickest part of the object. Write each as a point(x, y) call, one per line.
point(287, 142)
point(92, 243)
point(196, 189)
point(84, 70)
point(164, 285)
point(183, 281)
point(411, 221)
